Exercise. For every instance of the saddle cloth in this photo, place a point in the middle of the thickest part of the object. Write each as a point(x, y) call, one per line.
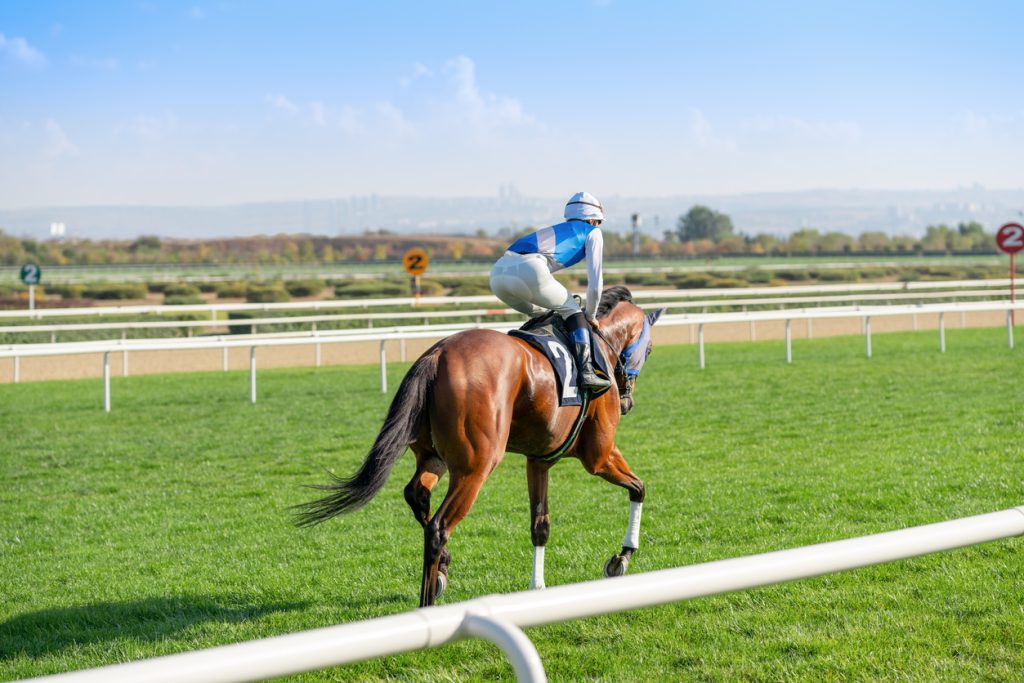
point(547, 334)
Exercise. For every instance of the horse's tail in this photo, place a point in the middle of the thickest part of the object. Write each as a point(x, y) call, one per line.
point(399, 430)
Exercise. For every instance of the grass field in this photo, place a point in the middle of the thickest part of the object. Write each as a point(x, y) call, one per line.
point(164, 526)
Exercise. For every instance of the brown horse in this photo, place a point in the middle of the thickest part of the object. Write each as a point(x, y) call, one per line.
point(478, 394)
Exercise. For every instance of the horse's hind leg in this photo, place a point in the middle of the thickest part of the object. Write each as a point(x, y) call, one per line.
point(429, 469)
point(462, 492)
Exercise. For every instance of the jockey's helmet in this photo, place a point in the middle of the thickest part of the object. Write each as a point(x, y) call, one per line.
point(585, 207)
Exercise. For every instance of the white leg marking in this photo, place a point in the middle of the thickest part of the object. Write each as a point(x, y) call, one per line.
point(537, 580)
point(632, 539)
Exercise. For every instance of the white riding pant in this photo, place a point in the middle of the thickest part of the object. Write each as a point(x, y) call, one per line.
point(525, 282)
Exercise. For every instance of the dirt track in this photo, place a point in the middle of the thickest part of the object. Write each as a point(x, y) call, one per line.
point(155, 362)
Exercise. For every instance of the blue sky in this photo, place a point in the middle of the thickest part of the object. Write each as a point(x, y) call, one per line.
point(168, 103)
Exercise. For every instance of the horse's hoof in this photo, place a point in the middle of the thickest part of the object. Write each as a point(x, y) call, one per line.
point(616, 566)
point(442, 583)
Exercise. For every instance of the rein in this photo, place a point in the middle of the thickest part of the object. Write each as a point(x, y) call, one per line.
point(625, 390)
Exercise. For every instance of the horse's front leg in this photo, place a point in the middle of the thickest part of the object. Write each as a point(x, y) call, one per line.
point(614, 468)
point(540, 521)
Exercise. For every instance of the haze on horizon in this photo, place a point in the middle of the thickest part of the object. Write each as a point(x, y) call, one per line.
point(219, 103)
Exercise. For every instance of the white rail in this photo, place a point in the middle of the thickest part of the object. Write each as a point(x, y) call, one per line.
point(401, 334)
point(498, 618)
point(481, 313)
point(214, 309)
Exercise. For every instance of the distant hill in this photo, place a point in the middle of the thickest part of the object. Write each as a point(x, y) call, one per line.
point(848, 211)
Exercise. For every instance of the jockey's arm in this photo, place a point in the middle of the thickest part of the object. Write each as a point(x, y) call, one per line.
point(595, 277)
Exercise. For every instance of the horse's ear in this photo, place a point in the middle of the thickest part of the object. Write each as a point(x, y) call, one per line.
point(653, 317)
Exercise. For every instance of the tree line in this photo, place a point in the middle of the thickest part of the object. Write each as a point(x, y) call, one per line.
point(701, 232)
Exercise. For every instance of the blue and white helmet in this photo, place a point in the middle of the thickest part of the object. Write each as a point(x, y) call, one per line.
point(585, 207)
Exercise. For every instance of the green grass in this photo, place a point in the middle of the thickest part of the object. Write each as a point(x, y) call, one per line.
point(164, 526)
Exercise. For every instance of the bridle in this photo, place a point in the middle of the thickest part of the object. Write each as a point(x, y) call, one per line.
point(624, 382)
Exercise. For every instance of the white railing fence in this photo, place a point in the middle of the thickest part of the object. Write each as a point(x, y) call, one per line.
point(124, 327)
point(499, 618)
point(214, 309)
point(401, 334)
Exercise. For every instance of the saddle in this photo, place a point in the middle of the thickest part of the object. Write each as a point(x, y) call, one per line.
point(547, 334)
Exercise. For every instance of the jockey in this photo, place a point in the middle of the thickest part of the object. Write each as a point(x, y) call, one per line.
point(522, 277)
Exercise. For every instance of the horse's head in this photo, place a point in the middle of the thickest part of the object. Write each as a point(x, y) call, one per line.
point(627, 329)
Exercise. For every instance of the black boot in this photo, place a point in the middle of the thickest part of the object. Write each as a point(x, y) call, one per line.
point(579, 330)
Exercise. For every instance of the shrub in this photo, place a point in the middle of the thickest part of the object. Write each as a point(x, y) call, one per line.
point(838, 275)
point(310, 287)
point(725, 282)
point(691, 280)
point(181, 289)
point(207, 287)
point(469, 289)
point(267, 294)
point(371, 289)
point(646, 279)
point(792, 275)
point(231, 290)
point(157, 287)
point(66, 291)
point(182, 300)
point(431, 288)
point(115, 291)
point(756, 277)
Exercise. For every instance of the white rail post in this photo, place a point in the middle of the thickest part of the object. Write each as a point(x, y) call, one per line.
point(225, 354)
point(1009, 328)
point(512, 641)
point(867, 334)
point(700, 344)
point(789, 345)
point(942, 332)
point(106, 381)
point(383, 369)
point(252, 374)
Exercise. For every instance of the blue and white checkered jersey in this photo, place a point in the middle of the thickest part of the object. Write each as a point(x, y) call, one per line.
point(566, 244)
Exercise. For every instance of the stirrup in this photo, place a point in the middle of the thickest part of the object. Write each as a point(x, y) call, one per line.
point(593, 381)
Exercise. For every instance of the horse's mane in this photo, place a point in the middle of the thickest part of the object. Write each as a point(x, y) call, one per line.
point(611, 297)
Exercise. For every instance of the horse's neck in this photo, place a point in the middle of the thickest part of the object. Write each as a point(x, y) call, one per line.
point(615, 327)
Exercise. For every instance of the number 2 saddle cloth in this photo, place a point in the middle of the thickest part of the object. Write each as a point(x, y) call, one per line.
point(548, 335)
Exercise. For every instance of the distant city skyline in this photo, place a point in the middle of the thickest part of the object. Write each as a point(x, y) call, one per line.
point(219, 103)
point(778, 213)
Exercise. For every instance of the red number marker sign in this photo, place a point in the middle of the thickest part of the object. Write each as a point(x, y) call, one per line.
point(1010, 240)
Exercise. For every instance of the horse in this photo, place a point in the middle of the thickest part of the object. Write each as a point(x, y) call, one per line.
point(478, 394)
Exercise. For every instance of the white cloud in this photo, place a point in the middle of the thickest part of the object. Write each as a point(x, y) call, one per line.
point(283, 103)
point(318, 110)
point(701, 133)
point(485, 112)
point(843, 131)
point(394, 119)
point(151, 127)
point(19, 50)
point(57, 142)
point(99, 63)
point(418, 71)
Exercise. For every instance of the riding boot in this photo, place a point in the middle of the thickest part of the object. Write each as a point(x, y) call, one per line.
point(579, 330)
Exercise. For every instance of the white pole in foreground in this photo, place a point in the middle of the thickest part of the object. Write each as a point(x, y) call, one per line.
point(942, 332)
point(1009, 328)
point(252, 374)
point(435, 626)
point(106, 381)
